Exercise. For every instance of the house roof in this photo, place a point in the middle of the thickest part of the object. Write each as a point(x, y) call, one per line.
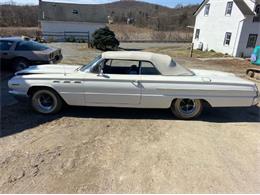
point(241, 4)
point(244, 7)
point(53, 11)
point(200, 7)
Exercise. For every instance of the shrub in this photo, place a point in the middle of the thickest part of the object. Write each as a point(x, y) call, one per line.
point(70, 39)
point(104, 39)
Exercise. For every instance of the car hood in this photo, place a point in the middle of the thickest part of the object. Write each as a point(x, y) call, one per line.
point(49, 69)
point(220, 77)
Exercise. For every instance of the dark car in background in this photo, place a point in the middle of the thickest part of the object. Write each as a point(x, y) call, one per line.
point(17, 53)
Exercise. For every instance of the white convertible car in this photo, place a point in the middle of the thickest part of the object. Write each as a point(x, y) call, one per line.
point(132, 79)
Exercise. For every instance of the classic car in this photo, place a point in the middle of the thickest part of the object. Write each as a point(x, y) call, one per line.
point(17, 53)
point(132, 79)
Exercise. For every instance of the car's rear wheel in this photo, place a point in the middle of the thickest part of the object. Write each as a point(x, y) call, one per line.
point(19, 64)
point(46, 101)
point(186, 108)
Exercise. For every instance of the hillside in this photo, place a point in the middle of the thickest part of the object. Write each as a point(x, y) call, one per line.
point(14, 15)
point(152, 15)
point(144, 15)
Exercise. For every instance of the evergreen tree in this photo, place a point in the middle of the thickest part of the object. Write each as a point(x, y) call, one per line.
point(104, 39)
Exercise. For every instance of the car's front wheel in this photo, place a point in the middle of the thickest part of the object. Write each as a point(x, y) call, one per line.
point(46, 101)
point(186, 108)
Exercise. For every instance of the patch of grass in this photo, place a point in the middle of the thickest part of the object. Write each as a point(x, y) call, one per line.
point(84, 47)
point(129, 33)
point(19, 31)
point(207, 54)
point(77, 60)
point(185, 52)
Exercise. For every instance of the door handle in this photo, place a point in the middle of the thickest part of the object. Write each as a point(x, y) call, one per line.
point(136, 83)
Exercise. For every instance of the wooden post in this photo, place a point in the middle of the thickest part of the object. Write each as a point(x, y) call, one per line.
point(191, 50)
point(88, 40)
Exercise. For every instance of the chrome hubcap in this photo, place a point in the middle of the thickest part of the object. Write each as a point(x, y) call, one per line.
point(187, 106)
point(46, 102)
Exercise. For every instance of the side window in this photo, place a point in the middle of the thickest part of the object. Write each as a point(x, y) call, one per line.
point(147, 68)
point(251, 41)
point(75, 11)
point(207, 7)
point(38, 46)
point(257, 9)
point(5, 45)
point(229, 8)
point(197, 34)
point(121, 67)
point(24, 46)
point(95, 69)
point(227, 38)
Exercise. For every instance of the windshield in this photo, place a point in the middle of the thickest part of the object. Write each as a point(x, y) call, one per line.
point(30, 46)
point(87, 66)
point(38, 46)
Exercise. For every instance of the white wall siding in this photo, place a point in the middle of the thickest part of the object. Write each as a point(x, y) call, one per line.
point(249, 27)
point(61, 26)
point(214, 27)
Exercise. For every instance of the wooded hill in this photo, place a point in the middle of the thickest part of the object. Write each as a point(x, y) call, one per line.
point(143, 14)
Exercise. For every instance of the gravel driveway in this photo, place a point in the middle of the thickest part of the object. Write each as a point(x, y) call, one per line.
point(116, 150)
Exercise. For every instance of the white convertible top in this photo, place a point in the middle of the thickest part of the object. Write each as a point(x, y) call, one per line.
point(164, 63)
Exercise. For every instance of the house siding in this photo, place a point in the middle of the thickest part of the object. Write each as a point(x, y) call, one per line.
point(249, 27)
point(214, 27)
point(62, 26)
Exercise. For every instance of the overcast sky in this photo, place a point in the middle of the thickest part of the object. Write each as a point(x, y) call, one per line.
point(169, 3)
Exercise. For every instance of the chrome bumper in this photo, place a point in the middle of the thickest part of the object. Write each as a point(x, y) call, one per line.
point(256, 99)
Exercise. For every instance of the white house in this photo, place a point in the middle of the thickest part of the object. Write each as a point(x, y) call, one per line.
point(228, 26)
point(65, 20)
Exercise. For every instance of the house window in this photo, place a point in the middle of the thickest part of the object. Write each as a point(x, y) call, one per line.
point(197, 34)
point(227, 38)
point(251, 41)
point(229, 8)
point(75, 11)
point(206, 12)
point(257, 9)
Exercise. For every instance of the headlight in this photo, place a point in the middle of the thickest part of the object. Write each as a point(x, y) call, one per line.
point(13, 83)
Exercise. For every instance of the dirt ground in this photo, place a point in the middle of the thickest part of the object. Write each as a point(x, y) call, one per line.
point(111, 150)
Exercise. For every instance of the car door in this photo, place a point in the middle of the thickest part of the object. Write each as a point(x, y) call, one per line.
point(5, 47)
point(25, 50)
point(117, 84)
point(151, 82)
